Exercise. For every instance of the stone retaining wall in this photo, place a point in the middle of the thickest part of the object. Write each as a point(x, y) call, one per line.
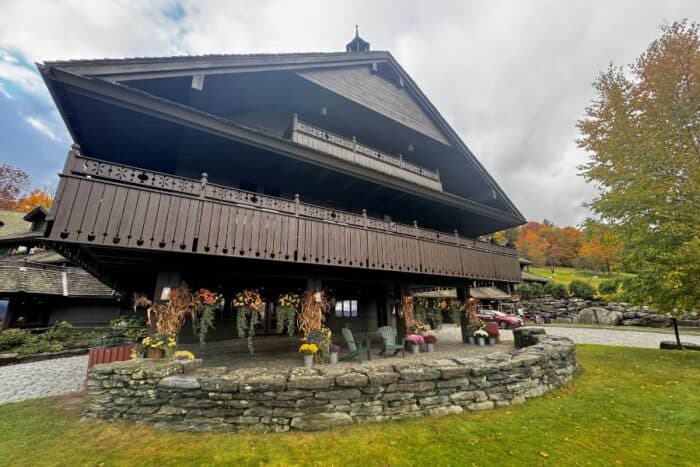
point(169, 396)
point(578, 310)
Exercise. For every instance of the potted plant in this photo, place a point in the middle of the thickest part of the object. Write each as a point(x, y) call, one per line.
point(203, 314)
point(416, 341)
point(247, 304)
point(481, 336)
point(286, 310)
point(308, 350)
point(335, 348)
point(157, 346)
point(430, 340)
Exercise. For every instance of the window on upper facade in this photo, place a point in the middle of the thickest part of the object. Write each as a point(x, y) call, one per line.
point(346, 309)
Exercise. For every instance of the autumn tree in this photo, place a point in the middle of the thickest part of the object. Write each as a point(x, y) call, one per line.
point(13, 182)
point(531, 244)
point(32, 200)
point(601, 249)
point(642, 134)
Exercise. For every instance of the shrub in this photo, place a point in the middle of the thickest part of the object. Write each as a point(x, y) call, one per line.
point(531, 290)
point(11, 338)
point(35, 345)
point(582, 289)
point(525, 290)
point(609, 287)
point(61, 331)
point(555, 289)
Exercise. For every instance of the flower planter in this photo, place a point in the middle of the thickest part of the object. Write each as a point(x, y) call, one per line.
point(415, 349)
point(333, 358)
point(308, 361)
point(471, 340)
point(154, 353)
point(430, 347)
point(481, 341)
point(492, 341)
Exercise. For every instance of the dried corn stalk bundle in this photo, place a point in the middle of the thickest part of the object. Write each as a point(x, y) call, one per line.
point(170, 315)
point(407, 312)
point(313, 308)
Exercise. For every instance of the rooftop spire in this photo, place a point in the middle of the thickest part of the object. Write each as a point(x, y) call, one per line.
point(357, 44)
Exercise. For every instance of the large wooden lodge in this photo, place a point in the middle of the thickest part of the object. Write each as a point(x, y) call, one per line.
point(277, 172)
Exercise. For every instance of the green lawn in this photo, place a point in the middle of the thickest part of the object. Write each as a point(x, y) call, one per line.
point(627, 407)
point(566, 275)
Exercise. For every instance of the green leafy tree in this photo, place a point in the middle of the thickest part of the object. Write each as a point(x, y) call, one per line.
point(642, 133)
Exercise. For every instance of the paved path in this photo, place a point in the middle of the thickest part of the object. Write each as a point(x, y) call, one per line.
point(627, 338)
point(42, 379)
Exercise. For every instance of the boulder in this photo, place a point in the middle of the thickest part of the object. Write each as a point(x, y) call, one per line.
point(599, 315)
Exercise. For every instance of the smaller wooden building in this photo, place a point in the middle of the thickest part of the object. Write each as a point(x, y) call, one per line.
point(39, 287)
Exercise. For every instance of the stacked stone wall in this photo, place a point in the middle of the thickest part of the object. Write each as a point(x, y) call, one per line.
point(170, 396)
point(578, 310)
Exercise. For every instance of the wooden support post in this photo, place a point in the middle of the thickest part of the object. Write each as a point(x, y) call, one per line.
point(463, 296)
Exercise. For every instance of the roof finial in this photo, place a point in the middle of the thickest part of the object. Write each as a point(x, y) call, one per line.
point(357, 44)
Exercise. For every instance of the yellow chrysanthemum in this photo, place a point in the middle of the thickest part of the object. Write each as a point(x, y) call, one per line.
point(308, 349)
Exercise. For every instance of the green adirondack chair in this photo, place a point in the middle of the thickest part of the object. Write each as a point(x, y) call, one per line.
point(355, 349)
point(389, 342)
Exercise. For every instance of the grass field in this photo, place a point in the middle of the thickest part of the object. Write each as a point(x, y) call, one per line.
point(627, 407)
point(566, 275)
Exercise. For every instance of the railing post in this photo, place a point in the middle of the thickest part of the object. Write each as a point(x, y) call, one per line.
point(203, 185)
point(401, 163)
point(295, 120)
point(415, 226)
point(73, 152)
point(437, 173)
point(354, 144)
point(296, 203)
point(364, 218)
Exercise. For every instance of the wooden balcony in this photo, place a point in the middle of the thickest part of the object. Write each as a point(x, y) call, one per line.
point(109, 205)
point(350, 150)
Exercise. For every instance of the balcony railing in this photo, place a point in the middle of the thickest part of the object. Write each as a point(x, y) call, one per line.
point(109, 204)
point(350, 150)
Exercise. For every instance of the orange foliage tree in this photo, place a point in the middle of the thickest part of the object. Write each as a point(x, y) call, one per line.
point(34, 199)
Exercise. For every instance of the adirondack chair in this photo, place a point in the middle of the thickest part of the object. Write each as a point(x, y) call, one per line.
point(354, 349)
point(389, 342)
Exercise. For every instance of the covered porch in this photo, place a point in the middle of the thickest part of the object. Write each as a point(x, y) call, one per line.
point(281, 352)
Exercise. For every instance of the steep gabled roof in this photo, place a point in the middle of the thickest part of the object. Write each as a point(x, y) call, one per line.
point(118, 72)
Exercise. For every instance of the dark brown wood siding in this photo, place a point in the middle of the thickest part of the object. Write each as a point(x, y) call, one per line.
point(359, 84)
point(105, 204)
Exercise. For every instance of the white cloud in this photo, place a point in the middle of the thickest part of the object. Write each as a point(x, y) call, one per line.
point(511, 77)
point(4, 92)
point(41, 127)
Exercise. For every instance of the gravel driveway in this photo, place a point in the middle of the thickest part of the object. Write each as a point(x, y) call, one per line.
point(42, 379)
point(623, 337)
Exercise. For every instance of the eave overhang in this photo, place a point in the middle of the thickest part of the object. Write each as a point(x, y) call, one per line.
point(123, 96)
point(149, 68)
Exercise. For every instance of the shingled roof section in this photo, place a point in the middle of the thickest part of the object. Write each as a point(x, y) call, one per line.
point(14, 226)
point(49, 280)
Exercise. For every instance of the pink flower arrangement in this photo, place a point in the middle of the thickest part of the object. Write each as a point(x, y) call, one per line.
point(415, 339)
point(430, 339)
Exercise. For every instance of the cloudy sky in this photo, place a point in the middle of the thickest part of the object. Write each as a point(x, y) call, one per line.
point(511, 77)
